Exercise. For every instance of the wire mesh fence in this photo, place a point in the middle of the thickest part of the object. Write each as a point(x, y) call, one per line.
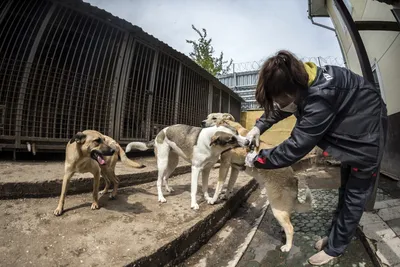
point(256, 65)
point(66, 66)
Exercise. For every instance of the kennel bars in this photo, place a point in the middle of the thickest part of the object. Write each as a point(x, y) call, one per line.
point(67, 66)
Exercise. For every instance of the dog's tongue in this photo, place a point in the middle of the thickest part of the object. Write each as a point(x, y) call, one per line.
point(101, 160)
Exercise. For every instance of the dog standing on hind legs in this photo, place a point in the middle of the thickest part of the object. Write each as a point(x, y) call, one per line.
point(91, 151)
point(196, 145)
point(281, 185)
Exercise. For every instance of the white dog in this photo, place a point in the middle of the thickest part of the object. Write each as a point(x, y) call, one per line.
point(198, 146)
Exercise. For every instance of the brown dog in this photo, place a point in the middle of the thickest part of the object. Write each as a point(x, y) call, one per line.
point(91, 151)
point(280, 184)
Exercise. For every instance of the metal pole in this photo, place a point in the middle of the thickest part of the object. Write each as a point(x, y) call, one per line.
point(234, 77)
point(150, 92)
point(210, 97)
point(25, 77)
point(5, 10)
point(178, 93)
point(229, 104)
point(120, 85)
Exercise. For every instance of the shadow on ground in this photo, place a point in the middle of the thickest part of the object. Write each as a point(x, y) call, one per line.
point(264, 249)
point(122, 204)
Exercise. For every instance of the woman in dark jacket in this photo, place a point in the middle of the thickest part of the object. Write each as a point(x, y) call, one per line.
point(340, 112)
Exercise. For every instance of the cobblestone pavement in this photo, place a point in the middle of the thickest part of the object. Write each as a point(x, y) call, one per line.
point(309, 227)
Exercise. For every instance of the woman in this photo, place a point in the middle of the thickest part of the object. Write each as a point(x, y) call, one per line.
point(340, 112)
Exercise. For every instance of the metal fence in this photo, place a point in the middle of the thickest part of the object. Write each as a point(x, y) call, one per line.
point(66, 66)
point(243, 78)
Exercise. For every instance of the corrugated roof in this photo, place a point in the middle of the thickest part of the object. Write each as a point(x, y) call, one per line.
point(125, 25)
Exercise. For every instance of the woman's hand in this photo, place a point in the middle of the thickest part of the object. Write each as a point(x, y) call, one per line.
point(254, 136)
point(250, 158)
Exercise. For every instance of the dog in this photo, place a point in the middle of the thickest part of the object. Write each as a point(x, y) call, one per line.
point(281, 185)
point(91, 151)
point(228, 159)
point(196, 145)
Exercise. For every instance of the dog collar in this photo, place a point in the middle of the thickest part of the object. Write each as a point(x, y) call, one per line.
point(229, 149)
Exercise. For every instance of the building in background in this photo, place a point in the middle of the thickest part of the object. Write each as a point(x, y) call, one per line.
point(369, 35)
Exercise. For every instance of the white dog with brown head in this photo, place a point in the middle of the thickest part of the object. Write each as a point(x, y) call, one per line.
point(195, 145)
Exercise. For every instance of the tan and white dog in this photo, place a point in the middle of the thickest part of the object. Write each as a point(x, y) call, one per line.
point(91, 151)
point(281, 184)
point(229, 159)
point(195, 145)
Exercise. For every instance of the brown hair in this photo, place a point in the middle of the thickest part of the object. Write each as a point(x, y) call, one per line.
point(280, 75)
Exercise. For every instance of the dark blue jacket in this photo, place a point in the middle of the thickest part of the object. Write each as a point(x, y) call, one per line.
point(342, 113)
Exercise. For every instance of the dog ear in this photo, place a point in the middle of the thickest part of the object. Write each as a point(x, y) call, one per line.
point(232, 139)
point(228, 116)
point(219, 122)
point(214, 140)
point(79, 138)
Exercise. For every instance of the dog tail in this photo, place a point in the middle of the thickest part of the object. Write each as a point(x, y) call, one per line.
point(306, 205)
point(125, 160)
point(139, 146)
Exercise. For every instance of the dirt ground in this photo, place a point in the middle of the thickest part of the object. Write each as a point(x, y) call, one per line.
point(122, 230)
point(29, 171)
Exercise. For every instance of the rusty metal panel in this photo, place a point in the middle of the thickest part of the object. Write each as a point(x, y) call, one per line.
point(193, 104)
point(216, 101)
point(19, 25)
point(135, 101)
point(70, 84)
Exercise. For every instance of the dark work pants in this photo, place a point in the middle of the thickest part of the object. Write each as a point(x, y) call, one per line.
point(354, 192)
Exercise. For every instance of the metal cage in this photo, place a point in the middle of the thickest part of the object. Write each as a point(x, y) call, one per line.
point(66, 66)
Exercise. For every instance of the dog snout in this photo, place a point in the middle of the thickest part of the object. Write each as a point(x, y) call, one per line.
point(107, 151)
point(203, 123)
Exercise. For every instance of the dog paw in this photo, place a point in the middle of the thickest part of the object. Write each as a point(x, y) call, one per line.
point(195, 206)
point(58, 211)
point(263, 191)
point(162, 199)
point(211, 201)
point(286, 248)
point(225, 196)
point(170, 189)
point(94, 206)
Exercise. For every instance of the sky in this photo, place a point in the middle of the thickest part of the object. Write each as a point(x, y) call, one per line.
point(245, 30)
